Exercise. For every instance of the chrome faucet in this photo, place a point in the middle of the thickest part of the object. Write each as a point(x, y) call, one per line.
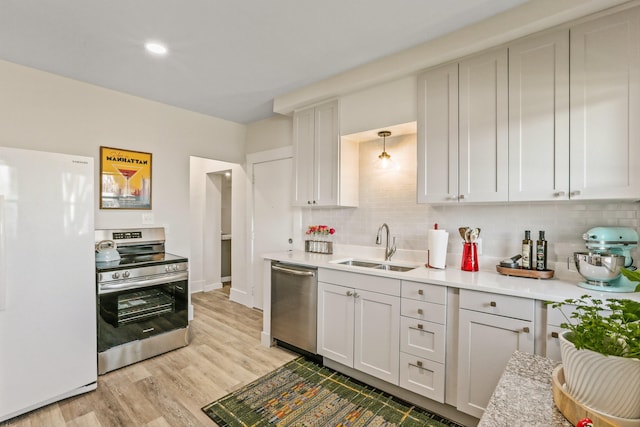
point(388, 251)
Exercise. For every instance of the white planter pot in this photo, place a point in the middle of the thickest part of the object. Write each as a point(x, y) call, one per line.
point(609, 384)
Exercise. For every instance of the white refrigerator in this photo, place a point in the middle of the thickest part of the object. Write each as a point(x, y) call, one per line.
point(47, 279)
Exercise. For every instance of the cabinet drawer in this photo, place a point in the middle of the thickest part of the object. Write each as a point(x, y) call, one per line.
point(382, 285)
point(501, 305)
point(422, 376)
point(424, 310)
point(423, 339)
point(555, 316)
point(424, 292)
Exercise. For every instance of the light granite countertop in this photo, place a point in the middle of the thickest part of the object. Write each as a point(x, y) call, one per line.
point(523, 395)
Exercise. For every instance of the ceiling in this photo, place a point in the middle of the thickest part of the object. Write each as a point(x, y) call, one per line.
point(227, 58)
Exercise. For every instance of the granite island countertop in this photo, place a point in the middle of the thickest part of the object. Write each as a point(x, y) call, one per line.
point(523, 396)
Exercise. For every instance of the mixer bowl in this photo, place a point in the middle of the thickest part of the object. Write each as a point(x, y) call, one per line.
point(598, 268)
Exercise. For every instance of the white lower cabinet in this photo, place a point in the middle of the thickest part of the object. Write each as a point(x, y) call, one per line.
point(423, 339)
point(491, 328)
point(357, 327)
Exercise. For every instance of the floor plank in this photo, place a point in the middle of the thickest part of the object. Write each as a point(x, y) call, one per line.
point(169, 390)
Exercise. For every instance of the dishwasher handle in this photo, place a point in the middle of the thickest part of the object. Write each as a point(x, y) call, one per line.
point(292, 271)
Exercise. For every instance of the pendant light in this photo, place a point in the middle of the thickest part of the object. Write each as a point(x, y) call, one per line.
point(385, 158)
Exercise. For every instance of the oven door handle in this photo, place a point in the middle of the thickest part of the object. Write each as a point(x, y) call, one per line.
point(165, 279)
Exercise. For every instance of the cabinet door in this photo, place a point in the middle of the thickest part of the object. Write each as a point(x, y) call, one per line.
point(377, 335)
point(539, 118)
point(483, 145)
point(335, 323)
point(486, 342)
point(438, 135)
point(553, 342)
point(304, 148)
point(605, 106)
point(326, 155)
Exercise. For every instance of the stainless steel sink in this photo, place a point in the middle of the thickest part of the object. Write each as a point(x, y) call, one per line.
point(391, 267)
point(356, 263)
point(377, 265)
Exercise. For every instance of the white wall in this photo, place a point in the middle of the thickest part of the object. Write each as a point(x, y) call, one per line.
point(274, 132)
point(43, 111)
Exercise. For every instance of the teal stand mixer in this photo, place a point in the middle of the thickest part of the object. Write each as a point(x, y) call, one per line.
point(609, 251)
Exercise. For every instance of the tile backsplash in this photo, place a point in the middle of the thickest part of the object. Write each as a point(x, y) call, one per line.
point(390, 196)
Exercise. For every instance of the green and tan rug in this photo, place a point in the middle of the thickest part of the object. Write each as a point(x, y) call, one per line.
point(302, 393)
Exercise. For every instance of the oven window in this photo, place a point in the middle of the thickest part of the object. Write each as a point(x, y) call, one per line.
point(143, 305)
point(138, 313)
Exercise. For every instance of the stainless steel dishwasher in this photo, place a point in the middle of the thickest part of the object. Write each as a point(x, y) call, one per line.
point(294, 301)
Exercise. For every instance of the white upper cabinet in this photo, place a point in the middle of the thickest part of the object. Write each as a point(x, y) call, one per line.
point(320, 159)
point(484, 136)
point(462, 131)
point(539, 118)
point(605, 107)
point(438, 135)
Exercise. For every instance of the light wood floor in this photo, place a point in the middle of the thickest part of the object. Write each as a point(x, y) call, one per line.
point(170, 389)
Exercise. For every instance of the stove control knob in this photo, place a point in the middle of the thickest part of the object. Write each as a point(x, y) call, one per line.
point(174, 267)
point(126, 274)
point(115, 275)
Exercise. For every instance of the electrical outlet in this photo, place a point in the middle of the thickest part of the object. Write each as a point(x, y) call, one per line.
point(147, 218)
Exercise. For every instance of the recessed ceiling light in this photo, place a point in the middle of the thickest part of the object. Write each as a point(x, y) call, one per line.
point(156, 48)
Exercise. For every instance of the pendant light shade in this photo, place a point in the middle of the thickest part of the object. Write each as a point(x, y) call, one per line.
point(385, 158)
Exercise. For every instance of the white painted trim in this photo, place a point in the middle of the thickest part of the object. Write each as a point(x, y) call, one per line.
point(251, 160)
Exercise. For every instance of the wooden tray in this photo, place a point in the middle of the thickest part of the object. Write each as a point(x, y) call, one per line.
point(574, 411)
point(532, 274)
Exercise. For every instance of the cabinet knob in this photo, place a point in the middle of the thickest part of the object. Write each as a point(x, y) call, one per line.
point(308, 202)
point(493, 304)
point(554, 335)
point(461, 197)
point(559, 193)
point(314, 202)
point(419, 364)
point(525, 329)
point(349, 293)
point(355, 295)
point(575, 193)
point(420, 292)
point(420, 326)
point(420, 311)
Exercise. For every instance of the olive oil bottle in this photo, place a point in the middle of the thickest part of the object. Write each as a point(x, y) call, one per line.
point(541, 252)
point(528, 261)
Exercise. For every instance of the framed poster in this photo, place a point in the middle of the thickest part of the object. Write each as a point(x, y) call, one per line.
point(125, 179)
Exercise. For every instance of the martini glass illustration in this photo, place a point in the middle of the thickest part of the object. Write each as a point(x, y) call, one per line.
point(127, 172)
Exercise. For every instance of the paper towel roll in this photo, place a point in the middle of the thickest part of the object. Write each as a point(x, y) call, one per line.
point(437, 246)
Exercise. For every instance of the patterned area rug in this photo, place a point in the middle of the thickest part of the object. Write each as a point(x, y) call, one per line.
point(302, 393)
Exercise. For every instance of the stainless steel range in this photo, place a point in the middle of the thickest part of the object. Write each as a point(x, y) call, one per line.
point(142, 297)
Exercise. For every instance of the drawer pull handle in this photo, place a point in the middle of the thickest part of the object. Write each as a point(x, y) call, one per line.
point(554, 335)
point(420, 326)
point(420, 292)
point(525, 329)
point(145, 331)
point(493, 304)
point(420, 311)
point(419, 364)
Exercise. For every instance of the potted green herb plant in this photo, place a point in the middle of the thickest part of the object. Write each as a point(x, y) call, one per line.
point(601, 354)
